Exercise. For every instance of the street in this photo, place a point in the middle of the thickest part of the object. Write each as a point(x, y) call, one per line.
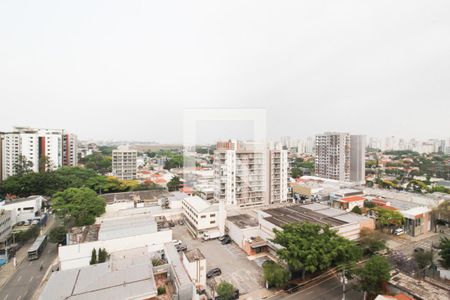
point(24, 282)
point(329, 288)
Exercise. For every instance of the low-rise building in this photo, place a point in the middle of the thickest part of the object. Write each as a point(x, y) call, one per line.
point(113, 234)
point(243, 229)
point(125, 276)
point(200, 215)
point(342, 193)
point(195, 263)
point(416, 288)
point(23, 209)
point(348, 203)
point(417, 220)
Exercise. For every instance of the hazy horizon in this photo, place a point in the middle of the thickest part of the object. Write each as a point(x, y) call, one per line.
point(111, 70)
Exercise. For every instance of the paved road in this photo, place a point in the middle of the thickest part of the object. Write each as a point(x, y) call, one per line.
point(327, 289)
point(24, 282)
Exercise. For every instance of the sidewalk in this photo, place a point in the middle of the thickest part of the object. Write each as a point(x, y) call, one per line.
point(8, 270)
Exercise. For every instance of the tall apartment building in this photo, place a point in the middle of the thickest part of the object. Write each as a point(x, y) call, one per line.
point(124, 163)
point(40, 148)
point(358, 158)
point(1, 155)
point(249, 174)
point(335, 158)
point(69, 149)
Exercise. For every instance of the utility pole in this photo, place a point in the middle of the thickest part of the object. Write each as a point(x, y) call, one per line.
point(343, 284)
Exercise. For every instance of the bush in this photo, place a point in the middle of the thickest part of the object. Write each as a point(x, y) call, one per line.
point(357, 210)
point(30, 233)
point(58, 235)
point(161, 290)
point(225, 290)
point(275, 274)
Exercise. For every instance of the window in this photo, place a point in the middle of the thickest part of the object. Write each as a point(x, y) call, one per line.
point(203, 216)
point(212, 222)
point(212, 215)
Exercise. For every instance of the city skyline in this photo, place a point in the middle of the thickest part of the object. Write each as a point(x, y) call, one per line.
point(128, 71)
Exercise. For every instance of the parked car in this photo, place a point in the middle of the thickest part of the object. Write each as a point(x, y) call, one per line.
point(223, 237)
point(180, 222)
point(213, 272)
point(176, 242)
point(419, 249)
point(181, 247)
point(21, 223)
point(226, 240)
point(399, 231)
point(171, 224)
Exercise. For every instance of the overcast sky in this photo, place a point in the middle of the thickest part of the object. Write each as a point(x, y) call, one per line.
point(127, 69)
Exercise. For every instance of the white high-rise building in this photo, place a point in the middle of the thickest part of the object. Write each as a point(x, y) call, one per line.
point(341, 156)
point(358, 158)
point(124, 163)
point(250, 174)
point(41, 149)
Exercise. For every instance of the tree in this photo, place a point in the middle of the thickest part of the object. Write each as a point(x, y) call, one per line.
point(311, 247)
point(275, 274)
point(441, 212)
point(356, 210)
point(102, 255)
point(99, 162)
point(388, 217)
point(225, 290)
point(371, 241)
point(78, 206)
point(176, 161)
point(23, 166)
point(93, 260)
point(374, 274)
point(444, 252)
point(174, 184)
point(424, 259)
point(58, 235)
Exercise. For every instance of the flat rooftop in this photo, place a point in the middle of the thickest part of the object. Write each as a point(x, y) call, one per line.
point(243, 221)
point(127, 226)
point(300, 214)
point(194, 255)
point(418, 288)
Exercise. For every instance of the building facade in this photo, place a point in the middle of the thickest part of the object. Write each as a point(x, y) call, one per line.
point(35, 149)
point(5, 224)
point(70, 149)
point(248, 175)
point(333, 156)
point(358, 158)
point(124, 163)
point(340, 156)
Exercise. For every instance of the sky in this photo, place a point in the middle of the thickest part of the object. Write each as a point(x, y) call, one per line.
point(127, 70)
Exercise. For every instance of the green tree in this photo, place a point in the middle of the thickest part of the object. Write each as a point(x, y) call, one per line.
point(275, 274)
point(388, 217)
point(356, 210)
point(311, 247)
point(374, 274)
point(93, 260)
point(444, 252)
point(23, 166)
point(176, 161)
point(78, 206)
point(225, 290)
point(102, 255)
point(58, 235)
point(371, 241)
point(99, 162)
point(424, 259)
point(174, 184)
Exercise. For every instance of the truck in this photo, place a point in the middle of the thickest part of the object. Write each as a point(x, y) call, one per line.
point(211, 234)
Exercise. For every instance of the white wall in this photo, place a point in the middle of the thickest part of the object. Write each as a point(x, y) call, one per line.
point(19, 212)
point(239, 235)
point(79, 255)
point(196, 270)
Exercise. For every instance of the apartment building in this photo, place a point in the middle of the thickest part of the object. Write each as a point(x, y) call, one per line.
point(248, 174)
point(5, 224)
point(124, 163)
point(1, 155)
point(69, 149)
point(333, 156)
point(38, 149)
point(358, 158)
point(340, 156)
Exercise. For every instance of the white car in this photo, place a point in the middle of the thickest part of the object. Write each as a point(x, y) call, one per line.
point(399, 231)
point(176, 242)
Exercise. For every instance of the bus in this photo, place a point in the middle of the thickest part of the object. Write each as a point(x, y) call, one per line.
point(37, 248)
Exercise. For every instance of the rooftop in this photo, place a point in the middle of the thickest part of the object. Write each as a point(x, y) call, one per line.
point(243, 221)
point(352, 199)
point(200, 205)
point(299, 214)
point(126, 280)
point(127, 226)
point(194, 255)
point(140, 196)
point(418, 288)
